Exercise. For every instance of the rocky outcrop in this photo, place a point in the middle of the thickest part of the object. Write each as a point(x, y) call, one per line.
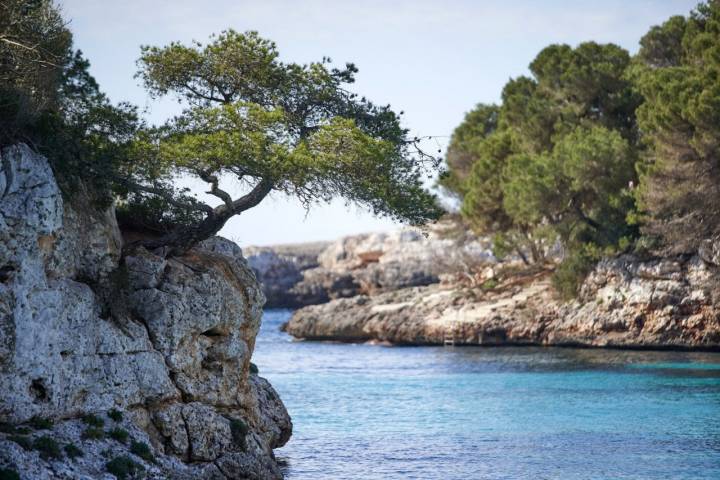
point(84, 330)
point(366, 264)
point(281, 268)
point(625, 302)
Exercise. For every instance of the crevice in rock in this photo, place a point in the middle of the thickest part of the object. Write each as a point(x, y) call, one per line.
point(9, 175)
point(214, 332)
point(187, 432)
point(6, 272)
point(222, 472)
point(39, 391)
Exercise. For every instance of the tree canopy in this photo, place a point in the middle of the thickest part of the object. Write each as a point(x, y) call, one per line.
point(272, 126)
point(250, 124)
point(554, 160)
point(596, 144)
point(678, 75)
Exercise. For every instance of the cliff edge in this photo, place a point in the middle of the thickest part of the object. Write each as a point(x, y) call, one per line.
point(162, 346)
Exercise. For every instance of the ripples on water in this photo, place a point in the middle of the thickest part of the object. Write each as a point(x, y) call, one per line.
point(373, 412)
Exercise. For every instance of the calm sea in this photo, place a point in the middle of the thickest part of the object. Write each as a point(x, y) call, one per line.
point(374, 412)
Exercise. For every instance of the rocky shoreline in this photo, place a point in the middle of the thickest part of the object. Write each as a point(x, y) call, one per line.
point(295, 276)
point(626, 302)
point(85, 331)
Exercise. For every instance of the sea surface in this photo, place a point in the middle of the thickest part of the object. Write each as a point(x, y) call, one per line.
point(378, 412)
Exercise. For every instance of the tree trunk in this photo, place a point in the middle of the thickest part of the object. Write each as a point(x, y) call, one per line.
point(183, 238)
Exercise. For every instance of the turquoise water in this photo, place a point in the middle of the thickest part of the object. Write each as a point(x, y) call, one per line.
point(374, 412)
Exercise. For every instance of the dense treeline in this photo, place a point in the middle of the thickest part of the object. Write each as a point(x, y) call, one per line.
point(248, 119)
point(599, 151)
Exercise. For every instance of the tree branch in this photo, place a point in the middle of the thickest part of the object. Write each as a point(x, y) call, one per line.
point(168, 197)
point(197, 93)
point(215, 190)
point(254, 197)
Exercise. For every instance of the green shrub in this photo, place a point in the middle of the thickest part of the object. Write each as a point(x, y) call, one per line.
point(48, 448)
point(571, 272)
point(119, 434)
point(73, 451)
point(142, 450)
point(115, 415)
point(23, 441)
point(239, 430)
point(8, 474)
point(40, 423)
point(489, 284)
point(93, 420)
point(12, 429)
point(123, 467)
point(254, 369)
point(93, 433)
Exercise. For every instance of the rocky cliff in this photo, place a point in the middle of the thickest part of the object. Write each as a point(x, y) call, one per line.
point(364, 264)
point(163, 344)
point(625, 302)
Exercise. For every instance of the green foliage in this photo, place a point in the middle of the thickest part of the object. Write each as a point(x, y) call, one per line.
point(73, 451)
point(115, 415)
point(93, 433)
point(464, 143)
point(40, 423)
point(489, 284)
point(119, 434)
point(13, 429)
point(49, 100)
point(48, 448)
point(142, 450)
point(34, 44)
point(556, 160)
point(239, 430)
point(93, 420)
point(124, 468)
point(23, 441)
point(254, 369)
point(249, 118)
point(570, 273)
point(9, 474)
point(274, 126)
point(677, 74)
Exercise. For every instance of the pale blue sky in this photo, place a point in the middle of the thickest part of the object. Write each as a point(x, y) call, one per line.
point(433, 59)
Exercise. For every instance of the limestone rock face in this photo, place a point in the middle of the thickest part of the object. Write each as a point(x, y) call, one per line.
point(167, 341)
point(625, 302)
point(366, 264)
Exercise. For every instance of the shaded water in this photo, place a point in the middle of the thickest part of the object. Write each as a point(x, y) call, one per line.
point(373, 412)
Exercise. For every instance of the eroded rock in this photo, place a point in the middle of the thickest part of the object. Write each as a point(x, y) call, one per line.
point(624, 302)
point(167, 341)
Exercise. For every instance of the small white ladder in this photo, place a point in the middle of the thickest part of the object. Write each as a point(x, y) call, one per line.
point(450, 331)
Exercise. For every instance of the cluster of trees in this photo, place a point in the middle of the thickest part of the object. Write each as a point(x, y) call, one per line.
point(599, 150)
point(249, 120)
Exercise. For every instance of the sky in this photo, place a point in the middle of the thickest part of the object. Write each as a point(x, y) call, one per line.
point(432, 59)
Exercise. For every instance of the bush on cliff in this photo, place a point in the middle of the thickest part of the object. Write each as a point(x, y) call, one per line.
point(142, 450)
point(9, 474)
point(48, 448)
point(124, 468)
